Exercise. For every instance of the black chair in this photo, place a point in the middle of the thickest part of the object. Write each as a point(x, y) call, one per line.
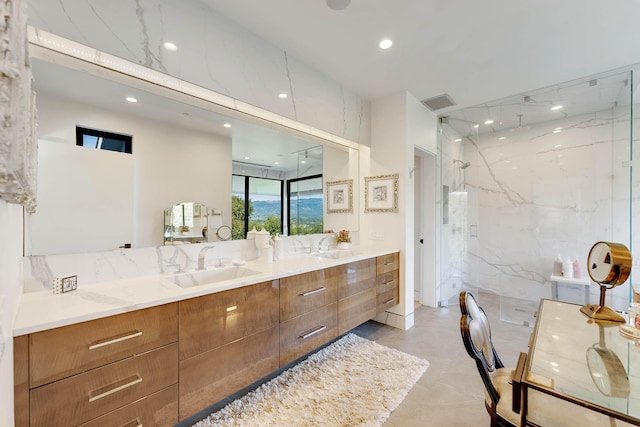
point(502, 394)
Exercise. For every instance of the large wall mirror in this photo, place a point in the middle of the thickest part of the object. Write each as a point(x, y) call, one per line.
point(183, 149)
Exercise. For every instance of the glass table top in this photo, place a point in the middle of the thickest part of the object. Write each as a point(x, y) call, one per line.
point(573, 355)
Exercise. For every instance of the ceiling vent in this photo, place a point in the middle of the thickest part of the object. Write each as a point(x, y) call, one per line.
point(438, 102)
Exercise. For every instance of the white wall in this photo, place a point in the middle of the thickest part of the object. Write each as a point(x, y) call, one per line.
point(398, 125)
point(11, 222)
point(171, 164)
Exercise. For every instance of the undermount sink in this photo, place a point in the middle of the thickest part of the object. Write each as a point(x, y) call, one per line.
point(334, 254)
point(214, 275)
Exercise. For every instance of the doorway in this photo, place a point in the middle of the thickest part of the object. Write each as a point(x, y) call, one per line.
point(425, 228)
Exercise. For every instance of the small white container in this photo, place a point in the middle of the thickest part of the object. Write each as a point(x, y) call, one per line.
point(567, 268)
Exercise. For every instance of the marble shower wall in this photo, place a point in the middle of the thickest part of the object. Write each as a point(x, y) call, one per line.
point(212, 52)
point(540, 193)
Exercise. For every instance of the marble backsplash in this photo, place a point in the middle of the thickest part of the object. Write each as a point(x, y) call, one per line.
point(94, 267)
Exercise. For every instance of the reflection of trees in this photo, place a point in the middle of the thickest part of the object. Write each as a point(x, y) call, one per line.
point(237, 217)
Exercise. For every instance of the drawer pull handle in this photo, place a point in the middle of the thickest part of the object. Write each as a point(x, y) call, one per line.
point(315, 291)
point(315, 331)
point(116, 389)
point(127, 336)
point(387, 302)
point(389, 282)
point(133, 423)
point(388, 263)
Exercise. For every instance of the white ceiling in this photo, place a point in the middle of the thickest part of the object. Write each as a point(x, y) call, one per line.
point(476, 51)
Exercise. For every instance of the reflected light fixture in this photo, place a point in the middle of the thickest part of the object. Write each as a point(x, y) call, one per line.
point(476, 126)
point(283, 96)
point(488, 122)
point(227, 125)
point(458, 139)
point(131, 99)
point(556, 107)
point(170, 46)
point(385, 44)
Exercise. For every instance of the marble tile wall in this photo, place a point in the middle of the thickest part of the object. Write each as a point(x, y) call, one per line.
point(94, 267)
point(212, 52)
point(540, 193)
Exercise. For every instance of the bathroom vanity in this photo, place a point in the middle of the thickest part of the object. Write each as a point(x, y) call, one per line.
point(174, 351)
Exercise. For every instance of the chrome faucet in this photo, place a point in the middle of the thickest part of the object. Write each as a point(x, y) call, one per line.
point(201, 255)
point(323, 239)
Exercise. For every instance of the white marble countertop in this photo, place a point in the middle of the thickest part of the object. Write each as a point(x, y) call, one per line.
point(44, 310)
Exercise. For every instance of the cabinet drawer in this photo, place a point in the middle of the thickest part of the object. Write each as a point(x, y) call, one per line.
point(356, 277)
point(387, 281)
point(388, 262)
point(306, 292)
point(356, 309)
point(213, 320)
point(61, 352)
point(160, 410)
point(304, 333)
point(85, 396)
point(387, 299)
point(210, 377)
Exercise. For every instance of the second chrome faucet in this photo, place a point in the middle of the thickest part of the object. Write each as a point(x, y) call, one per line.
point(201, 256)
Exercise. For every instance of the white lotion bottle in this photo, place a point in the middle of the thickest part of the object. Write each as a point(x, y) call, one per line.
point(567, 268)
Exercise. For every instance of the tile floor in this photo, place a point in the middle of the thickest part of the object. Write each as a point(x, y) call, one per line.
point(450, 393)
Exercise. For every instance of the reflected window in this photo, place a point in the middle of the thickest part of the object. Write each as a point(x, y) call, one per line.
point(305, 205)
point(102, 140)
point(256, 202)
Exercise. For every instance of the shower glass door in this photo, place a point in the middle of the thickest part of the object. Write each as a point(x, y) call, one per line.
point(530, 177)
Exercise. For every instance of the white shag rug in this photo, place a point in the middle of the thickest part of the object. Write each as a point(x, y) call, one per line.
point(352, 382)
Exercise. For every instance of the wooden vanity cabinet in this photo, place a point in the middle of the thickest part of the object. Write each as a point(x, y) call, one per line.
point(356, 293)
point(228, 340)
point(78, 373)
point(308, 312)
point(387, 282)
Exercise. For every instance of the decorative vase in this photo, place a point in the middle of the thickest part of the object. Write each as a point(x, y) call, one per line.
point(344, 245)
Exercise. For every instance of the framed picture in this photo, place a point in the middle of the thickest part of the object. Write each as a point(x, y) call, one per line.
point(381, 193)
point(340, 196)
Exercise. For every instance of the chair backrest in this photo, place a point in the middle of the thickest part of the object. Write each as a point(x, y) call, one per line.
point(476, 336)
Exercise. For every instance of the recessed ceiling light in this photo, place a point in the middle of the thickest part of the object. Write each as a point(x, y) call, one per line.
point(283, 96)
point(458, 139)
point(488, 122)
point(476, 126)
point(303, 161)
point(246, 158)
point(338, 4)
point(385, 44)
point(558, 145)
point(131, 99)
point(276, 163)
point(170, 46)
point(556, 107)
point(227, 125)
point(557, 130)
point(502, 137)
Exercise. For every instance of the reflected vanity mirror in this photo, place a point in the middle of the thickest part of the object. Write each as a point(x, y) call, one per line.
point(183, 148)
point(186, 222)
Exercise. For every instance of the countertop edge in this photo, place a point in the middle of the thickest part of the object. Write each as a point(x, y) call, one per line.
point(43, 310)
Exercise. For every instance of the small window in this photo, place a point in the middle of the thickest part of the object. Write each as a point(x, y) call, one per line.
point(102, 140)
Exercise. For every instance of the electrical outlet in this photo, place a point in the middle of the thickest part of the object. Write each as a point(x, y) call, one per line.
point(65, 284)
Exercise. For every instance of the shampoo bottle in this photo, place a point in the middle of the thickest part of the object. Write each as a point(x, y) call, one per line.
point(577, 269)
point(557, 266)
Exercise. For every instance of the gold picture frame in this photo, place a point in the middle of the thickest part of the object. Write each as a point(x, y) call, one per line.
point(381, 193)
point(340, 196)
